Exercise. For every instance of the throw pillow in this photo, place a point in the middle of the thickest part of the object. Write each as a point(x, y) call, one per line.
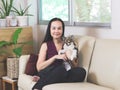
point(31, 65)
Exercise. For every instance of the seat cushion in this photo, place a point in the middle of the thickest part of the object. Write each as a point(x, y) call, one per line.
point(74, 86)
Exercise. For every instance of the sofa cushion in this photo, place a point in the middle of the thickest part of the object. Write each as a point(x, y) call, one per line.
point(75, 86)
point(85, 46)
point(31, 65)
point(105, 65)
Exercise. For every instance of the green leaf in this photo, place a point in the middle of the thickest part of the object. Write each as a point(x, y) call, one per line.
point(21, 11)
point(4, 43)
point(15, 10)
point(7, 5)
point(16, 35)
point(2, 13)
point(10, 6)
point(18, 51)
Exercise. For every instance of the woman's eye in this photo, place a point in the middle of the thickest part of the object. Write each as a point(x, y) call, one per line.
point(59, 28)
point(53, 28)
point(56, 28)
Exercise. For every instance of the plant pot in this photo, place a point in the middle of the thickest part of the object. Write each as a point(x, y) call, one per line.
point(8, 18)
point(13, 22)
point(2, 22)
point(13, 68)
point(22, 20)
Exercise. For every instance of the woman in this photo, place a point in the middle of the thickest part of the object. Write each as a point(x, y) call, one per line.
point(50, 64)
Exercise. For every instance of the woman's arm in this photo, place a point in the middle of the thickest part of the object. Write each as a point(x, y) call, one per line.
point(42, 62)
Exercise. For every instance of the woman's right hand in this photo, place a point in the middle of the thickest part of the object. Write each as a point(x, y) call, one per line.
point(61, 56)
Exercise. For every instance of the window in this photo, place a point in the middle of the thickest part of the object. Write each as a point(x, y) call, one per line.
point(76, 12)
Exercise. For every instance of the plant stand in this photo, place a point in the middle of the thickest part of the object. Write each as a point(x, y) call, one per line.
point(6, 79)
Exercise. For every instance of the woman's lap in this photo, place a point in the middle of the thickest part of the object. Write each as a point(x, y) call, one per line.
point(59, 74)
point(55, 75)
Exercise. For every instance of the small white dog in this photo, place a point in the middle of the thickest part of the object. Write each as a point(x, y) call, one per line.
point(71, 51)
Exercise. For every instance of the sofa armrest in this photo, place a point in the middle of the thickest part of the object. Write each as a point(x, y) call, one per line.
point(25, 82)
point(22, 63)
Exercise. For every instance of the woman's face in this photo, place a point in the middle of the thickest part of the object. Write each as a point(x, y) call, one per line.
point(56, 29)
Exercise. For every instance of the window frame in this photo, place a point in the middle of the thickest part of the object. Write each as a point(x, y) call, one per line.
point(70, 21)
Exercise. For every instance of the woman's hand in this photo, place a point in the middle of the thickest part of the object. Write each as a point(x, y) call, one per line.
point(61, 56)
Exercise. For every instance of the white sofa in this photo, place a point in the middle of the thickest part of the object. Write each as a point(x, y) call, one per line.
point(100, 58)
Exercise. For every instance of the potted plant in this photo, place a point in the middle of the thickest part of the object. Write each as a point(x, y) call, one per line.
point(22, 15)
point(17, 49)
point(13, 62)
point(6, 6)
point(2, 18)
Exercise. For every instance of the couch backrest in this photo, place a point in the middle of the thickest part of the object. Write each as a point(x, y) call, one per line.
point(85, 46)
point(105, 64)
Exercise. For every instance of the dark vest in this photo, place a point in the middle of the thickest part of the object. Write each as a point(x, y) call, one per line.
point(51, 51)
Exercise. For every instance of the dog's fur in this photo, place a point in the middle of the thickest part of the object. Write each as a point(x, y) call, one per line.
point(69, 45)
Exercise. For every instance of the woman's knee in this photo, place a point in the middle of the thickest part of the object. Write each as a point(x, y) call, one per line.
point(81, 71)
point(78, 74)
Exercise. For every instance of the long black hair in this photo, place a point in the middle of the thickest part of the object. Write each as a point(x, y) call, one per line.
point(48, 36)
